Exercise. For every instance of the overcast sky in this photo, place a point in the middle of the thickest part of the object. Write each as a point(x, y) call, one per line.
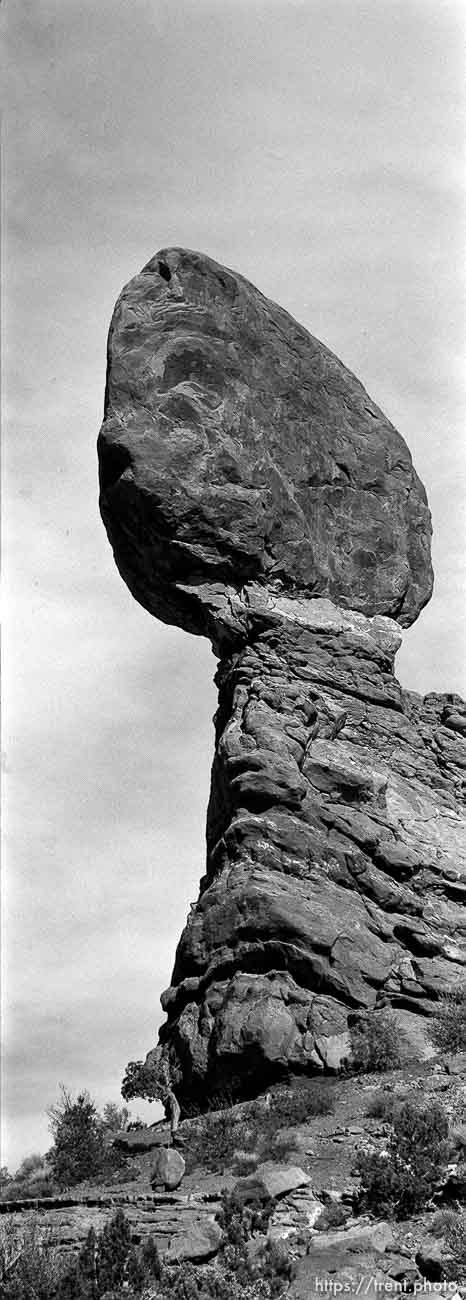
point(317, 148)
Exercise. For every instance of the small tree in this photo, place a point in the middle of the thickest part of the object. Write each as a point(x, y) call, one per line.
point(115, 1119)
point(140, 1081)
point(447, 1029)
point(151, 1260)
point(404, 1177)
point(112, 1252)
point(134, 1272)
point(77, 1148)
point(375, 1043)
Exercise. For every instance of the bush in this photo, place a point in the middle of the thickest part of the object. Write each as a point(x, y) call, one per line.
point(108, 1265)
point(381, 1106)
point(455, 1237)
point(29, 1263)
point(285, 1144)
point(333, 1216)
point(403, 1178)
point(113, 1249)
point(244, 1163)
point(220, 1137)
point(375, 1043)
point(271, 1266)
point(447, 1029)
point(215, 1141)
point(303, 1101)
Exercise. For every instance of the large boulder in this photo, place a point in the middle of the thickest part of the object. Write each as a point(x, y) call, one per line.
point(237, 448)
point(254, 493)
point(168, 1169)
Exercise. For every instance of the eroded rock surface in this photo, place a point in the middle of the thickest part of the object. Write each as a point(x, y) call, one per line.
point(336, 867)
point(253, 492)
point(236, 448)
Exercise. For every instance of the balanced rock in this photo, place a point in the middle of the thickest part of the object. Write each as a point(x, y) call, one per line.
point(254, 493)
point(236, 448)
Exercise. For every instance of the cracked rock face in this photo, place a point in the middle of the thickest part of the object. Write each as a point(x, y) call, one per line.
point(236, 448)
point(253, 492)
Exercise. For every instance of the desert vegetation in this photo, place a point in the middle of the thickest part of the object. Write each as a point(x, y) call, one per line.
point(219, 1137)
point(82, 1149)
point(110, 1267)
point(376, 1041)
point(401, 1178)
point(447, 1028)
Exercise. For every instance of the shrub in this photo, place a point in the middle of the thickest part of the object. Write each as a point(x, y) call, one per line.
point(219, 1137)
point(455, 1237)
point(285, 1144)
point(113, 1249)
point(447, 1028)
point(301, 1102)
point(375, 1043)
point(271, 1268)
point(151, 1260)
point(29, 1263)
point(403, 1178)
point(244, 1163)
point(381, 1106)
point(333, 1216)
point(215, 1141)
point(185, 1282)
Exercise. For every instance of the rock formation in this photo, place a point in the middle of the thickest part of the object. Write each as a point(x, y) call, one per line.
point(254, 493)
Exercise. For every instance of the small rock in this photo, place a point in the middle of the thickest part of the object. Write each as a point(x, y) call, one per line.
point(168, 1169)
point(270, 1180)
point(432, 1257)
point(403, 1271)
point(456, 1064)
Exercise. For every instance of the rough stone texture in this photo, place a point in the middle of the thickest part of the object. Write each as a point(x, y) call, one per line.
point(236, 448)
point(168, 1169)
point(184, 1228)
point(253, 492)
point(336, 871)
point(269, 1181)
point(183, 1222)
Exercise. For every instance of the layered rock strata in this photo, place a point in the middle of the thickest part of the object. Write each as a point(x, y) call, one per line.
point(252, 492)
point(336, 871)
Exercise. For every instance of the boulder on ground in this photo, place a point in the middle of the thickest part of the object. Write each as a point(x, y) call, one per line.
point(269, 1181)
point(199, 1243)
point(168, 1169)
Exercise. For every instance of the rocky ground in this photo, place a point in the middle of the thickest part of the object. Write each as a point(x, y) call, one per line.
point(305, 1164)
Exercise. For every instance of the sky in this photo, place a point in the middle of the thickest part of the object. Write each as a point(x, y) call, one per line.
point(318, 149)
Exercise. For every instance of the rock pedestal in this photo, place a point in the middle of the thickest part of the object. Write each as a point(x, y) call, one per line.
point(254, 493)
point(333, 880)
